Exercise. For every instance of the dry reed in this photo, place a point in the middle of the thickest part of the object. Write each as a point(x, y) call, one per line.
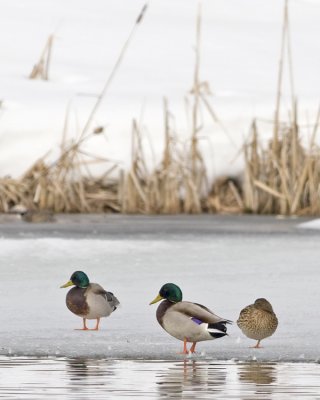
point(280, 178)
point(41, 68)
point(283, 177)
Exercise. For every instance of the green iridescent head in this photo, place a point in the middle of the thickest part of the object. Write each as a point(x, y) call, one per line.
point(79, 279)
point(170, 292)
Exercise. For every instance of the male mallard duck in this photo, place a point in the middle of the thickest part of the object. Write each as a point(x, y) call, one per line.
point(186, 321)
point(89, 300)
point(258, 321)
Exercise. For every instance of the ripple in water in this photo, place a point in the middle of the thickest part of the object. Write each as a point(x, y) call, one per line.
point(32, 378)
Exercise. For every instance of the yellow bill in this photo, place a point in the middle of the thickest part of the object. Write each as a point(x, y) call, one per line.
point(69, 283)
point(158, 298)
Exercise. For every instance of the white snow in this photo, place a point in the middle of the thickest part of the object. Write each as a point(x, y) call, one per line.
point(240, 52)
point(223, 272)
point(313, 224)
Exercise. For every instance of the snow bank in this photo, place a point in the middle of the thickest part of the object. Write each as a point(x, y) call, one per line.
point(314, 224)
point(240, 51)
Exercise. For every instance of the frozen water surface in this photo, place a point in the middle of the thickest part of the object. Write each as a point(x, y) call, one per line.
point(222, 262)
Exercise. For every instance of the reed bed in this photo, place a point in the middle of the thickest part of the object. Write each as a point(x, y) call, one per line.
point(175, 185)
point(280, 177)
point(57, 189)
point(283, 177)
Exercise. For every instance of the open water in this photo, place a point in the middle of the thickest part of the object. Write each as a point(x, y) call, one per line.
point(33, 378)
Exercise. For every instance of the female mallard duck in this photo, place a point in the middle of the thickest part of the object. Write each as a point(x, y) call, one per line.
point(89, 300)
point(258, 321)
point(186, 321)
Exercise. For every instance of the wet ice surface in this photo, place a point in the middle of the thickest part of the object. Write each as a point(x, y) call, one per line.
point(222, 268)
point(100, 379)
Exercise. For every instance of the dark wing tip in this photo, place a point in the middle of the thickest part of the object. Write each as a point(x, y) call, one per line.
point(217, 335)
point(220, 326)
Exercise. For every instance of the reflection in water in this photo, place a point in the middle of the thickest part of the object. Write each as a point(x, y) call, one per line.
point(189, 378)
point(81, 372)
point(262, 376)
point(80, 368)
point(32, 378)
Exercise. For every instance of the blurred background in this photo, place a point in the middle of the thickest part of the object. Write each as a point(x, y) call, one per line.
point(57, 57)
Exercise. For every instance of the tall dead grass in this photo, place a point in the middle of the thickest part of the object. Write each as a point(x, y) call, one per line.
point(41, 69)
point(282, 177)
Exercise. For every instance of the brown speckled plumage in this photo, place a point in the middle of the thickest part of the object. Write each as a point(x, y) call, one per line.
point(258, 321)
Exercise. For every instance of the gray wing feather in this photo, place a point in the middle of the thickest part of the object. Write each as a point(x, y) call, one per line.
point(110, 297)
point(198, 311)
point(112, 300)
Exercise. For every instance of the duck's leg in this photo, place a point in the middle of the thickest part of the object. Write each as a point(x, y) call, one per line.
point(193, 347)
point(257, 346)
point(185, 350)
point(85, 328)
point(96, 328)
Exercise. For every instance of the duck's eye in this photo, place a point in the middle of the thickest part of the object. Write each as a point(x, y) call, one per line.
point(165, 292)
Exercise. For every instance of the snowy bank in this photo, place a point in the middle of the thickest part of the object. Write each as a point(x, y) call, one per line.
point(240, 51)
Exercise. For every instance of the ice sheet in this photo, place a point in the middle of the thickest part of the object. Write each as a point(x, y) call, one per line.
point(222, 271)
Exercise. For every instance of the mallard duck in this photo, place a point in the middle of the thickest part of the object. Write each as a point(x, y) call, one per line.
point(30, 215)
point(258, 321)
point(89, 300)
point(186, 321)
point(37, 216)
